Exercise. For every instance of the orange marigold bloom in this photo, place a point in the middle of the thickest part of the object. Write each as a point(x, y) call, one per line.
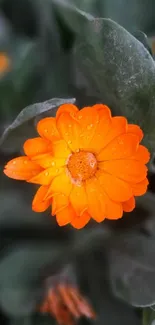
point(66, 304)
point(4, 63)
point(88, 163)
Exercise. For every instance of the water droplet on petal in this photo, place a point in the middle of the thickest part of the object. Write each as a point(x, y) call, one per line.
point(89, 126)
point(14, 162)
point(53, 163)
point(66, 134)
point(25, 162)
point(80, 117)
point(70, 125)
point(57, 170)
point(45, 130)
point(69, 142)
point(46, 173)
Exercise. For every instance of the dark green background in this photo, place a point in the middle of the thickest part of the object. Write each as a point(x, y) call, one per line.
point(71, 51)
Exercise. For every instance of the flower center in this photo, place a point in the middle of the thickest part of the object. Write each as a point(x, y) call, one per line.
point(82, 165)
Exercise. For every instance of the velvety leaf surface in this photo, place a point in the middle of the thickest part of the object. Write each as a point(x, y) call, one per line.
point(121, 72)
point(23, 126)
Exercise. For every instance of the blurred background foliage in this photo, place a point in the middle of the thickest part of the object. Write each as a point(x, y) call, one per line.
point(64, 50)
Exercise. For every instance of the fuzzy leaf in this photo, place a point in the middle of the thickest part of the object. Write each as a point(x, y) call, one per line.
point(120, 70)
point(23, 126)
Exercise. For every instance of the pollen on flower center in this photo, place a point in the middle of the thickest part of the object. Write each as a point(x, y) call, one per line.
point(82, 165)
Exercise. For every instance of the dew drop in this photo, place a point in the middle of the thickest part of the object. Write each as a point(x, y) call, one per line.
point(89, 126)
point(45, 130)
point(80, 117)
point(53, 163)
point(66, 134)
point(57, 170)
point(46, 173)
point(69, 142)
point(70, 125)
point(25, 162)
point(14, 162)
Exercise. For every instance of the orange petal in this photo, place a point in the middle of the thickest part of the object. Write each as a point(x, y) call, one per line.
point(38, 203)
point(117, 189)
point(59, 202)
point(78, 199)
point(123, 146)
point(68, 301)
point(36, 146)
point(81, 221)
point(45, 177)
point(21, 168)
point(67, 108)
point(69, 129)
point(118, 126)
point(44, 307)
point(47, 129)
point(61, 149)
point(83, 305)
point(54, 303)
point(129, 205)
point(102, 109)
point(65, 216)
point(142, 154)
point(96, 199)
point(140, 188)
point(103, 126)
point(113, 209)
point(135, 129)
point(60, 184)
point(88, 119)
point(48, 160)
point(127, 169)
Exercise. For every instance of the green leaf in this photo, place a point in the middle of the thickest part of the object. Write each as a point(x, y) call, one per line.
point(120, 71)
point(142, 37)
point(148, 316)
point(23, 126)
point(132, 268)
point(75, 18)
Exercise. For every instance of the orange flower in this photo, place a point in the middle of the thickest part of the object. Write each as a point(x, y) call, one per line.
point(88, 163)
point(4, 63)
point(65, 303)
